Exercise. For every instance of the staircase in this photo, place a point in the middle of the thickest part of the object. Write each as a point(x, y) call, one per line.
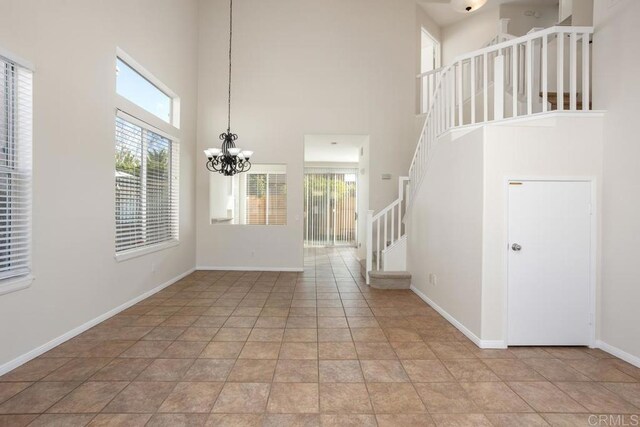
point(385, 264)
point(510, 78)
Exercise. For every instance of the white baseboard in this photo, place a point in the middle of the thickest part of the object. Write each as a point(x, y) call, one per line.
point(20, 360)
point(284, 269)
point(473, 337)
point(627, 357)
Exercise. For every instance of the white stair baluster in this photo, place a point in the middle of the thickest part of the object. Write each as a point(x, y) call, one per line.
point(573, 71)
point(586, 78)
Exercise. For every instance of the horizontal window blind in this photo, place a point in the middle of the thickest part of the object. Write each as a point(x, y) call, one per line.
point(16, 95)
point(266, 199)
point(277, 192)
point(146, 177)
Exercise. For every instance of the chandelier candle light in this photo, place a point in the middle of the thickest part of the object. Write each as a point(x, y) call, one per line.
point(229, 159)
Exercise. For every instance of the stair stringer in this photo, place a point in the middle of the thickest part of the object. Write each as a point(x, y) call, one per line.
point(394, 257)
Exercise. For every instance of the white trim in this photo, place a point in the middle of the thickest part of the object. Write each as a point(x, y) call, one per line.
point(17, 59)
point(627, 357)
point(15, 284)
point(148, 126)
point(594, 247)
point(473, 337)
point(20, 360)
point(217, 268)
point(138, 252)
point(394, 244)
point(508, 121)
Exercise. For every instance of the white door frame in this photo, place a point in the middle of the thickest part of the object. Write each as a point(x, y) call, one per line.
point(594, 248)
point(437, 49)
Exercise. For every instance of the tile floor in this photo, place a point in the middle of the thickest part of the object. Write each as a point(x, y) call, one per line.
point(315, 348)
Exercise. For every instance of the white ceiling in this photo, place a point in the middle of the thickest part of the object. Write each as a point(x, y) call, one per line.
point(319, 148)
point(442, 13)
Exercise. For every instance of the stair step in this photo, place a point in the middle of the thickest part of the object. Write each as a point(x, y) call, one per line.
point(552, 98)
point(390, 279)
point(390, 274)
point(380, 279)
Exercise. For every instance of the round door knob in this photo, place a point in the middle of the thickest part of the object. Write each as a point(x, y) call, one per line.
point(516, 247)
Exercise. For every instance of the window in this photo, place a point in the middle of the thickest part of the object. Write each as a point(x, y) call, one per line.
point(147, 162)
point(266, 198)
point(139, 90)
point(146, 178)
point(15, 173)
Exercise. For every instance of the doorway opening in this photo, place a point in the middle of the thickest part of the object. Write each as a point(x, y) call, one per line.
point(334, 189)
point(330, 207)
point(429, 52)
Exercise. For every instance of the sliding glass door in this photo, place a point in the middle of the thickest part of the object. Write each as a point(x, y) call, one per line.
point(330, 205)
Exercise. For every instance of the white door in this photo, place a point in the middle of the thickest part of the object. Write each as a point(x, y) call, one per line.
point(549, 262)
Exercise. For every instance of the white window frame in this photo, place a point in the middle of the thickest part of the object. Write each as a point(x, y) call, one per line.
point(138, 116)
point(127, 105)
point(16, 283)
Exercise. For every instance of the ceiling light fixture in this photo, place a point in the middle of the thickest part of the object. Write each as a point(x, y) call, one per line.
point(228, 160)
point(466, 6)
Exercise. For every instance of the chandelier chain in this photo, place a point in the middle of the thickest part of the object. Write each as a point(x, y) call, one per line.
point(230, 40)
point(228, 159)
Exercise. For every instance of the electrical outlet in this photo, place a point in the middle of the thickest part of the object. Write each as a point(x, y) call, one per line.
point(433, 279)
point(153, 267)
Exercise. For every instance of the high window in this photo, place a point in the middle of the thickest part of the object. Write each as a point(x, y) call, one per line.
point(15, 175)
point(147, 162)
point(139, 90)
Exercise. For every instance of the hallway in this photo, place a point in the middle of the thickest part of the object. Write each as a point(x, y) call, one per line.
point(228, 348)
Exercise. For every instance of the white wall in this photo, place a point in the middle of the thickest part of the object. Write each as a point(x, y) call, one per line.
point(73, 44)
point(303, 67)
point(562, 147)
point(444, 234)
point(616, 88)
point(520, 24)
point(457, 222)
point(423, 20)
point(469, 34)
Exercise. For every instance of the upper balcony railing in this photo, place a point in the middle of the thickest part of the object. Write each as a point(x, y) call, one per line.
point(542, 71)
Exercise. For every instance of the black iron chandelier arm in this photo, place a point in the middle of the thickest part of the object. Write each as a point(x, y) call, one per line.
point(228, 165)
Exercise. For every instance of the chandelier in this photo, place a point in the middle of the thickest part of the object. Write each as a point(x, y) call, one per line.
point(229, 159)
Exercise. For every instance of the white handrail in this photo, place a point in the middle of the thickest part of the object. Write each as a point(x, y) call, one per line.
point(390, 207)
point(428, 73)
point(523, 39)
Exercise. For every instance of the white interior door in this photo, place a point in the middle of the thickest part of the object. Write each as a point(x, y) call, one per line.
point(549, 263)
